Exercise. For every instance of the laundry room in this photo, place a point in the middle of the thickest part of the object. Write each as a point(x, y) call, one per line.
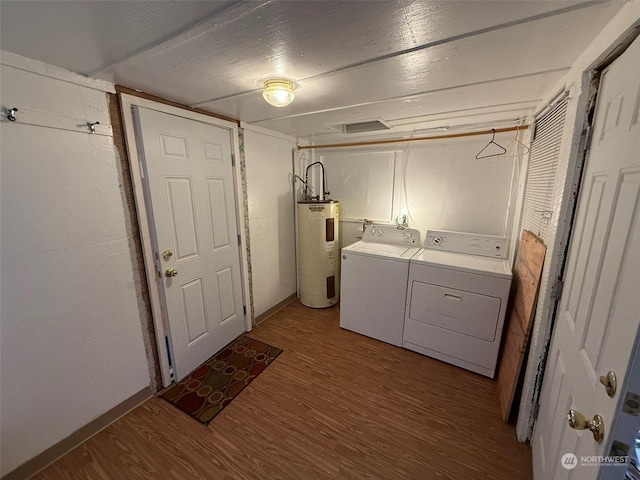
point(288, 239)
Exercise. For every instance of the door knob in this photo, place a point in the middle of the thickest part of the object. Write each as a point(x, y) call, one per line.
point(170, 272)
point(578, 421)
point(167, 255)
point(610, 383)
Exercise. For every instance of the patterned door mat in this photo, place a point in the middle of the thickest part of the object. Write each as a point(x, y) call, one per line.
point(214, 384)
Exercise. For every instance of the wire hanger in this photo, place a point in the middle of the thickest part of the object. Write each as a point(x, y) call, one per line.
point(491, 142)
point(516, 142)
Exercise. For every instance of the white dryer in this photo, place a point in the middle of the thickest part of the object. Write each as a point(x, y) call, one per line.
point(374, 275)
point(457, 299)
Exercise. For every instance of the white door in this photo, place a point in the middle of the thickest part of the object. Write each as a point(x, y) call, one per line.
point(597, 316)
point(189, 180)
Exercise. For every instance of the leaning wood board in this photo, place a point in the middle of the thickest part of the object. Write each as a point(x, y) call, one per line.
point(524, 295)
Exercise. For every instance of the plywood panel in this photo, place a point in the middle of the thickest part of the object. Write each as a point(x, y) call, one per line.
point(524, 294)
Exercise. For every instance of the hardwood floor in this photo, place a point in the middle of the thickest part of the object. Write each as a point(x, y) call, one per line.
point(334, 405)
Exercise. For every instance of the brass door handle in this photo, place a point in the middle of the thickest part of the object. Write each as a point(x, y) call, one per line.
point(610, 383)
point(170, 272)
point(578, 421)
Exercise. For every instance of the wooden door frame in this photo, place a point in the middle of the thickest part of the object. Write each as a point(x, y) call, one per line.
point(158, 313)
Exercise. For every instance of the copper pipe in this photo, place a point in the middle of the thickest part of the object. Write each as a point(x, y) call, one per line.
point(414, 139)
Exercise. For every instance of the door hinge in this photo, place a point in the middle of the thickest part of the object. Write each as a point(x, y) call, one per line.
point(239, 240)
point(244, 309)
point(233, 160)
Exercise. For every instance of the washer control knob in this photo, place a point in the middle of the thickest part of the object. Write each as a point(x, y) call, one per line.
point(407, 235)
point(437, 240)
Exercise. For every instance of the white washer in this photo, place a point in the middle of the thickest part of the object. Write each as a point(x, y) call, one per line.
point(457, 299)
point(373, 287)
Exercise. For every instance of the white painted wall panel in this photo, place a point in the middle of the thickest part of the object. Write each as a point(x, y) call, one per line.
point(446, 187)
point(38, 93)
point(71, 346)
point(269, 169)
point(363, 182)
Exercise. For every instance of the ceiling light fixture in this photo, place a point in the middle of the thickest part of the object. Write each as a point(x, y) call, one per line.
point(278, 92)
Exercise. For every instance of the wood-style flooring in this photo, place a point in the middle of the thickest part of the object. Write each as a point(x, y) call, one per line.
point(334, 405)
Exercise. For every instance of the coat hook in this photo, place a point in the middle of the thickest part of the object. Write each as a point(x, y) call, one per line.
point(11, 114)
point(92, 126)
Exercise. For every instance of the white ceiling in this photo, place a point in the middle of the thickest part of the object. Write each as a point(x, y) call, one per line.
point(414, 63)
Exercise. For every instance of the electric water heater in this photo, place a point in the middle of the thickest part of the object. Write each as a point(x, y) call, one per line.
point(319, 253)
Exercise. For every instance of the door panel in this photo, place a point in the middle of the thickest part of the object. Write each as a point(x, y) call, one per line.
point(173, 147)
point(212, 152)
point(182, 217)
point(593, 200)
point(597, 320)
point(193, 309)
point(218, 212)
point(189, 177)
point(225, 293)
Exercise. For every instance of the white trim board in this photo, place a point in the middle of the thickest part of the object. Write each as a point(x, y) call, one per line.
point(159, 321)
point(34, 66)
point(270, 133)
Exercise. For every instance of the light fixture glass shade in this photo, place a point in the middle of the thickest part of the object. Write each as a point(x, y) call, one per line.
point(278, 92)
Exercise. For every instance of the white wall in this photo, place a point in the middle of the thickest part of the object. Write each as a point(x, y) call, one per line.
point(441, 183)
point(449, 189)
point(568, 176)
point(269, 167)
point(71, 344)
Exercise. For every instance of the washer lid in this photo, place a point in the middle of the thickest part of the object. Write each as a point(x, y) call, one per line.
point(494, 267)
point(382, 250)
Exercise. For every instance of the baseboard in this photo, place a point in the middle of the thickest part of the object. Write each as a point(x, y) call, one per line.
point(64, 446)
point(275, 308)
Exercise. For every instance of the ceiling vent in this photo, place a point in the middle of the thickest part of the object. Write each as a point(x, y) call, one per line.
point(374, 125)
